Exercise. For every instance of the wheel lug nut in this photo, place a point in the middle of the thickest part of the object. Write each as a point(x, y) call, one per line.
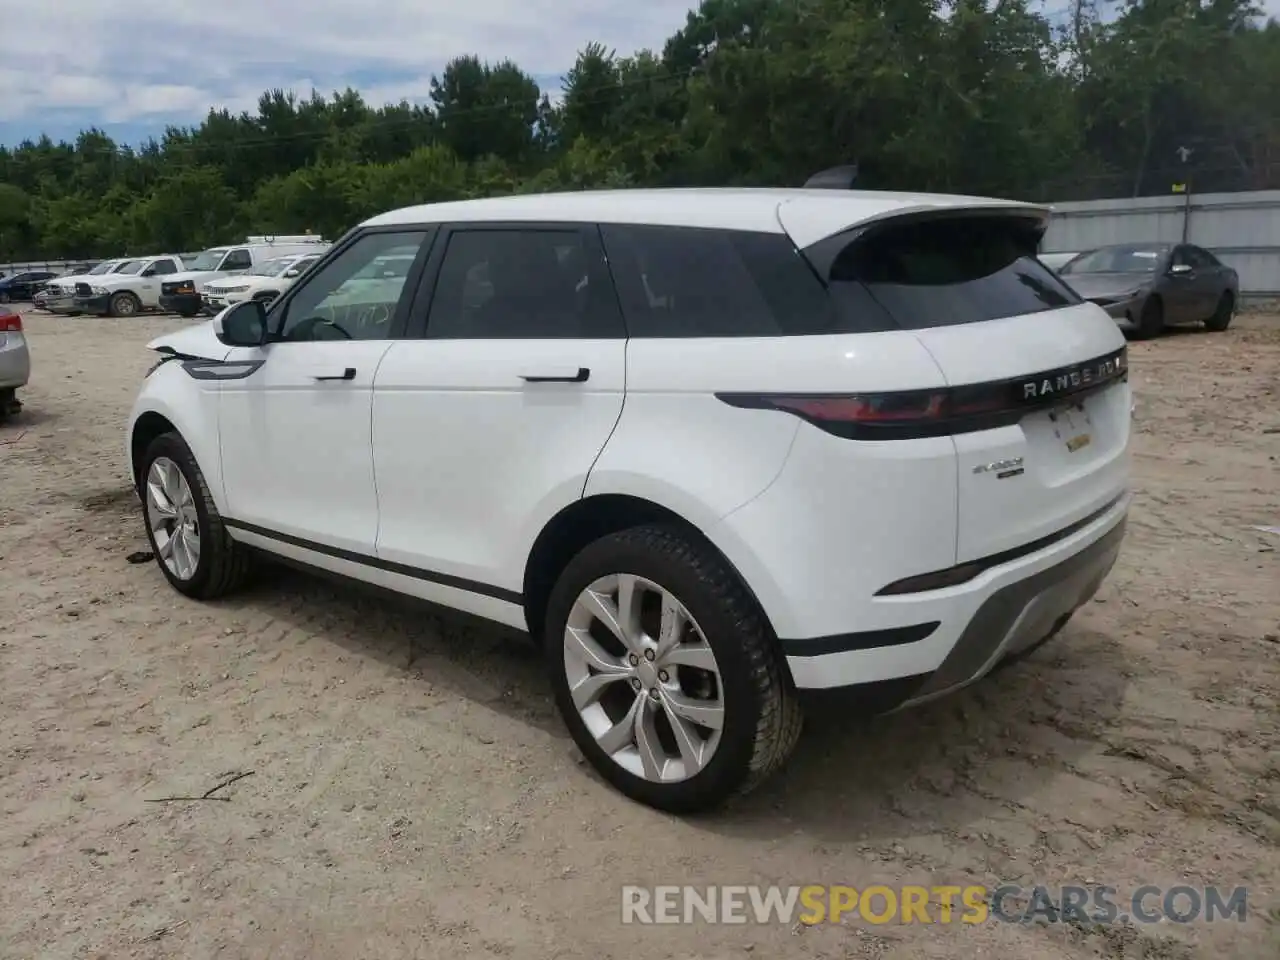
point(635, 683)
point(662, 675)
point(653, 693)
point(648, 655)
point(633, 659)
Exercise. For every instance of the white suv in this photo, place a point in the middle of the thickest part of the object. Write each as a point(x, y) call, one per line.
point(713, 449)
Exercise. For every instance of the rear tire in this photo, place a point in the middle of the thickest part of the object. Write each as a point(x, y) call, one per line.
point(221, 564)
point(740, 682)
point(188, 313)
point(1151, 320)
point(1222, 316)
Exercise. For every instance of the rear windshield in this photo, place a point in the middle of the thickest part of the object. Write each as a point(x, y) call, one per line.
point(946, 271)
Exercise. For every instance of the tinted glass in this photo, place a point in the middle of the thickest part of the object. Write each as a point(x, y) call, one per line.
point(948, 271)
point(163, 267)
point(521, 284)
point(686, 282)
point(1122, 258)
point(338, 302)
point(1201, 259)
point(237, 260)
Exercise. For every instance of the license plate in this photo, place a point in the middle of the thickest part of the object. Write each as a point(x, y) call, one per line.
point(1071, 425)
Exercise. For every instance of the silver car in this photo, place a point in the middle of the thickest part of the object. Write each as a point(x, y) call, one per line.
point(15, 363)
point(1146, 286)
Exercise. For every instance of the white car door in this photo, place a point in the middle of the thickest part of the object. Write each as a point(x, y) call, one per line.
point(490, 413)
point(295, 431)
point(151, 277)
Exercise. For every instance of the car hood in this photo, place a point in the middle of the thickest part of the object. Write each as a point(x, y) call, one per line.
point(198, 340)
point(1090, 285)
point(74, 278)
point(112, 281)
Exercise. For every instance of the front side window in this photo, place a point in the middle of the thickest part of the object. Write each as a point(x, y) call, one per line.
point(237, 260)
point(513, 284)
point(341, 302)
point(163, 267)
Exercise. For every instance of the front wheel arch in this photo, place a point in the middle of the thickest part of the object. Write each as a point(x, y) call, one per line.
point(145, 429)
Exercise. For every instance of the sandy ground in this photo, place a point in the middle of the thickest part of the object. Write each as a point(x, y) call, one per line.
point(413, 793)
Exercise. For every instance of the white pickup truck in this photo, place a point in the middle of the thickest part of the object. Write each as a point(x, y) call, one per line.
point(130, 290)
point(182, 293)
point(59, 294)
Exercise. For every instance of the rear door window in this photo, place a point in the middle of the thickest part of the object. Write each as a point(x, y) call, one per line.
point(946, 271)
point(692, 282)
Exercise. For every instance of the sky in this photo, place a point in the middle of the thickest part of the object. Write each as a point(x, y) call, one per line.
point(130, 67)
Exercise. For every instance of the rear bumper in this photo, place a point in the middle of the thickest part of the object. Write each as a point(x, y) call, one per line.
point(15, 361)
point(950, 638)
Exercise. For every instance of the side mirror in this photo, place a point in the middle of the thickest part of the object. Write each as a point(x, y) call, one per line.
point(149, 272)
point(244, 325)
point(1180, 269)
point(293, 272)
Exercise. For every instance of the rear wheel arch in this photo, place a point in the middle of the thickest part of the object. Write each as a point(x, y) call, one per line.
point(587, 520)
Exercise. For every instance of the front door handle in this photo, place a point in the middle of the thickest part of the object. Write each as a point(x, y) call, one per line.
point(347, 374)
point(557, 376)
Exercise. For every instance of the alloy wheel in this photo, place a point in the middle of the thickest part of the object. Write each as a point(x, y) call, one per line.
point(171, 515)
point(643, 678)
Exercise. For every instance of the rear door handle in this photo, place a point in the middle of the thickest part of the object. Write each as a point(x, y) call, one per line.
point(347, 374)
point(552, 375)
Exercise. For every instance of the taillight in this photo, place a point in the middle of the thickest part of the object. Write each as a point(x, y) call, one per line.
point(11, 323)
point(942, 411)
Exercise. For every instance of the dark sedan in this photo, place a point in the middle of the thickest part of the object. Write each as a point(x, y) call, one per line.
point(23, 286)
point(1146, 286)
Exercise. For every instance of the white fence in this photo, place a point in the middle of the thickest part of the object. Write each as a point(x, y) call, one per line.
point(1241, 229)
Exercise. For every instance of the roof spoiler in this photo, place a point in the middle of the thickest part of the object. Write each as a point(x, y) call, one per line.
point(836, 178)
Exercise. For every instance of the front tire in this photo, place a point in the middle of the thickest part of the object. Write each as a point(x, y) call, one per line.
point(1223, 315)
point(125, 304)
point(666, 672)
point(190, 541)
point(1151, 321)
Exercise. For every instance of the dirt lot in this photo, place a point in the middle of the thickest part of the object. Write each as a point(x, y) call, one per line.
point(413, 793)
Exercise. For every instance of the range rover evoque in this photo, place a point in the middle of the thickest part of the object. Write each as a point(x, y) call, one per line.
point(714, 450)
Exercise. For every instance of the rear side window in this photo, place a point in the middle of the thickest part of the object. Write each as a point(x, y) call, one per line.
point(692, 282)
point(946, 271)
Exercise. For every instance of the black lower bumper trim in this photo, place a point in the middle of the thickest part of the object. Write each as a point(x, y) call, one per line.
point(98, 305)
point(864, 640)
point(187, 303)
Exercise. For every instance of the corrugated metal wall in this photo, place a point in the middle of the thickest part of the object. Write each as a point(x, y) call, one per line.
point(1241, 229)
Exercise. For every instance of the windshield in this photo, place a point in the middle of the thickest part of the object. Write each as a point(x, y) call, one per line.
point(273, 268)
point(1132, 258)
point(208, 260)
point(129, 267)
point(100, 269)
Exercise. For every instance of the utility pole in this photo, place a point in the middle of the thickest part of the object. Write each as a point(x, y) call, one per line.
point(1184, 154)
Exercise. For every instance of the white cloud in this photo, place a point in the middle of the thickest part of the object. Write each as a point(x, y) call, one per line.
point(130, 60)
point(136, 61)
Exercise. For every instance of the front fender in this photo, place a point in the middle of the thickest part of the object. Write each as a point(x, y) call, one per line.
point(190, 407)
